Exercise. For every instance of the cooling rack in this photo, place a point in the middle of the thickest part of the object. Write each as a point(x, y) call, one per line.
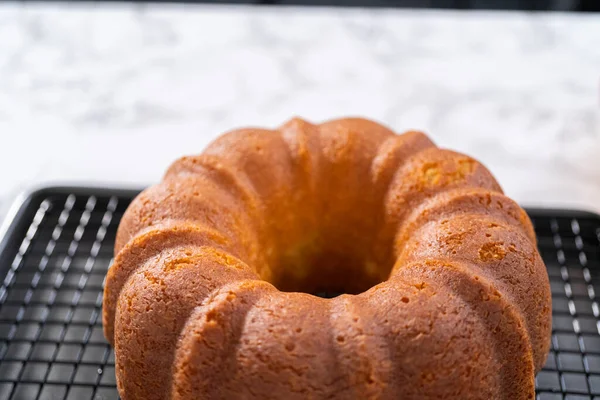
point(56, 251)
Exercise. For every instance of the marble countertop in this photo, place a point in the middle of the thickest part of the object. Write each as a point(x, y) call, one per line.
point(111, 94)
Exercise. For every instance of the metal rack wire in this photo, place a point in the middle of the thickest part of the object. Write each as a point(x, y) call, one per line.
point(51, 341)
point(57, 251)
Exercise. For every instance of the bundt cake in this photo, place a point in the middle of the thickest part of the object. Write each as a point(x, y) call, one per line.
point(212, 292)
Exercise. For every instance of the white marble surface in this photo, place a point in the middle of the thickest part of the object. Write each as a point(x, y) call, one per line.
point(113, 93)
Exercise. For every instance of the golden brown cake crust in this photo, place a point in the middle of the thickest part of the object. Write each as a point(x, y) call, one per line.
point(447, 298)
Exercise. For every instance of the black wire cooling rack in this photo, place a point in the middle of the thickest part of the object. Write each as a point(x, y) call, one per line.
point(57, 250)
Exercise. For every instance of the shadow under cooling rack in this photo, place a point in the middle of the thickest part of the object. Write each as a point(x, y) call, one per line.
point(57, 250)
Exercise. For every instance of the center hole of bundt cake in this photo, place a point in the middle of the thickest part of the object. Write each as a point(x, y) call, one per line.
point(327, 274)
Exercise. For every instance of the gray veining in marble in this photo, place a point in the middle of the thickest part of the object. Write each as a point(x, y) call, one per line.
point(113, 93)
